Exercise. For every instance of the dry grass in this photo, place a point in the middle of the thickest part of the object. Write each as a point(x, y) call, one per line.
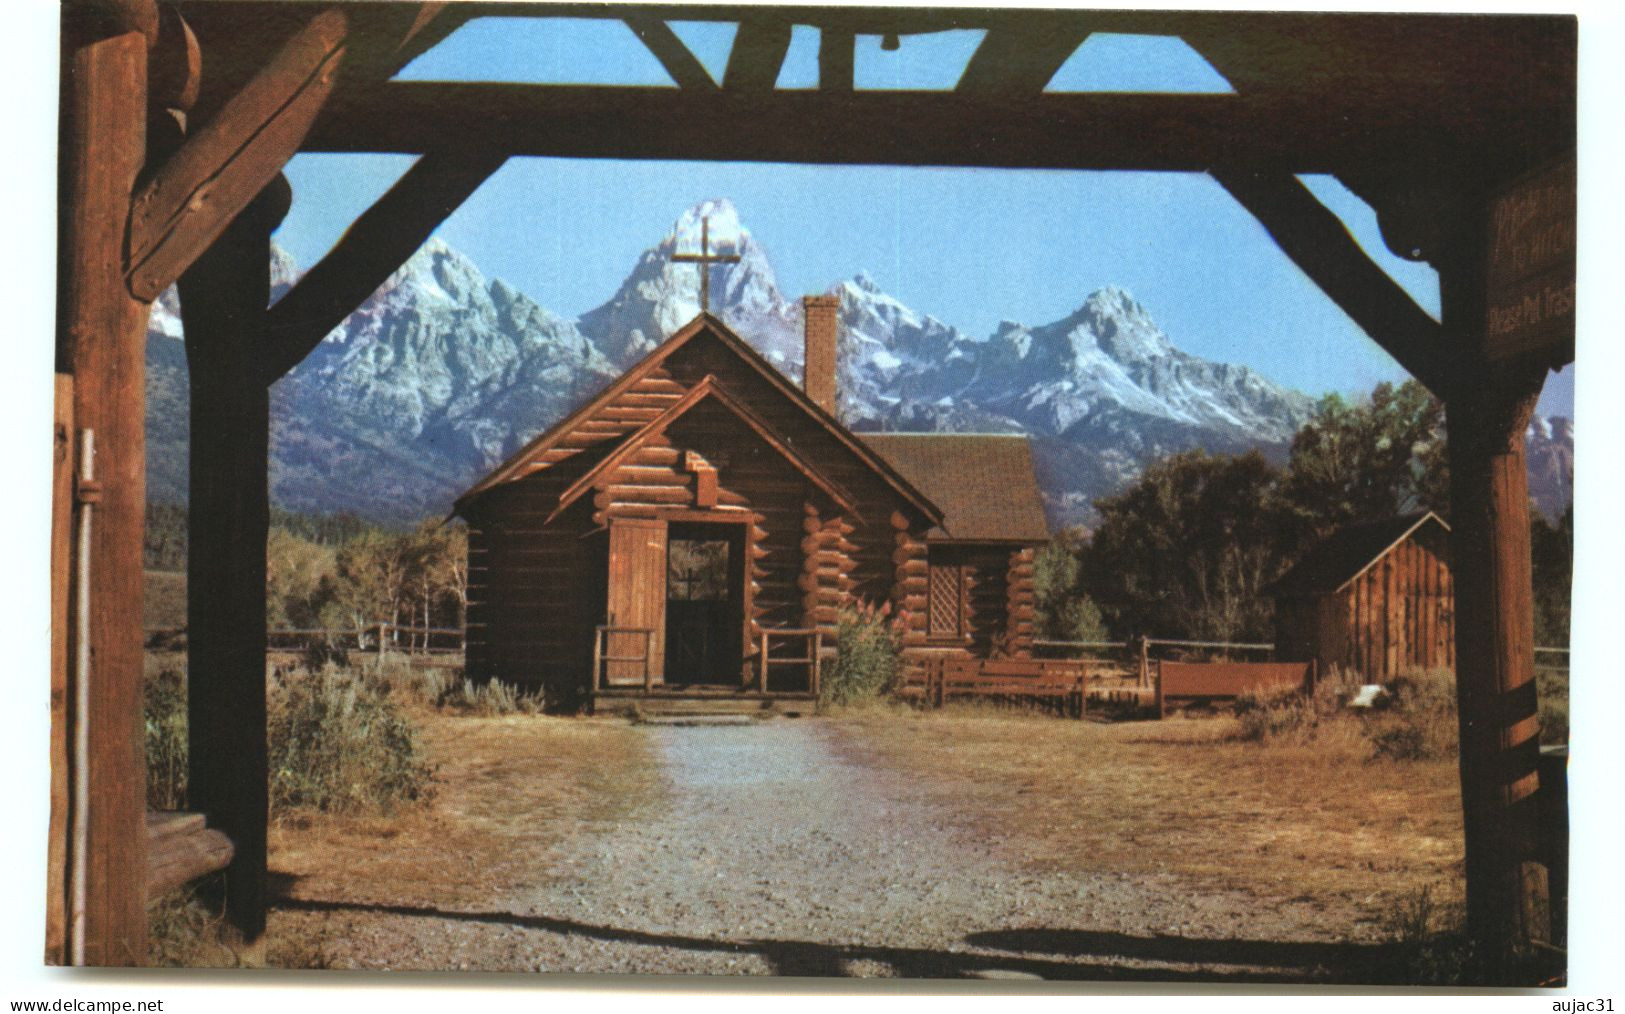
point(508, 789)
point(1310, 821)
point(163, 602)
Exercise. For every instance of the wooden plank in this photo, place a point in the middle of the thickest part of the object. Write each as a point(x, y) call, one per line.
point(102, 335)
point(63, 462)
point(1532, 261)
point(373, 248)
point(637, 592)
point(190, 200)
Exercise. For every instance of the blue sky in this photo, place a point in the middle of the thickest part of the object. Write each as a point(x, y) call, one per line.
point(969, 246)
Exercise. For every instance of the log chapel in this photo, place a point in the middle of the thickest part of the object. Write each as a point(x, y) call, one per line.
point(699, 525)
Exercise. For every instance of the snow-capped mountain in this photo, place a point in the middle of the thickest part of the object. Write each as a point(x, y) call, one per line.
point(443, 373)
point(661, 295)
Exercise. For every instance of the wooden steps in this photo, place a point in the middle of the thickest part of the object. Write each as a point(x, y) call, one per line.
point(690, 705)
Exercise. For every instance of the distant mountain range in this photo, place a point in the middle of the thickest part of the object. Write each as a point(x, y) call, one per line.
point(443, 373)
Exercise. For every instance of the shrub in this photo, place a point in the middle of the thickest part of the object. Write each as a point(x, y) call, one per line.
point(490, 699)
point(339, 744)
point(1420, 723)
point(868, 655)
point(164, 714)
point(1277, 712)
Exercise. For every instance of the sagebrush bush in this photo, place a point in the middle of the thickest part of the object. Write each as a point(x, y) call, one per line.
point(868, 657)
point(490, 699)
point(164, 715)
point(1417, 721)
point(339, 744)
point(1279, 712)
point(1420, 721)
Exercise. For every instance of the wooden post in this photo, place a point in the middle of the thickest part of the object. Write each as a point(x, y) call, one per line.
point(1507, 905)
point(648, 661)
point(597, 658)
point(223, 299)
point(1487, 408)
point(1145, 662)
point(62, 483)
point(101, 340)
point(817, 661)
point(761, 676)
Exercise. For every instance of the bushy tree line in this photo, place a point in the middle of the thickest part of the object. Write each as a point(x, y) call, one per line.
point(341, 572)
point(417, 578)
point(1188, 550)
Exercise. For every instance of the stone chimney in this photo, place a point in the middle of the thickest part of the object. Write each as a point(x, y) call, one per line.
point(818, 378)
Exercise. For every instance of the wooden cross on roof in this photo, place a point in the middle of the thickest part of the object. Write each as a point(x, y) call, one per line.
point(705, 258)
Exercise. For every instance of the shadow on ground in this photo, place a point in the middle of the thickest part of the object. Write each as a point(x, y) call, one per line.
point(1039, 952)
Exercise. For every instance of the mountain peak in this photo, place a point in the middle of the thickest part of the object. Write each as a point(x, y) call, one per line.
point(727, 233)
point(864, 281)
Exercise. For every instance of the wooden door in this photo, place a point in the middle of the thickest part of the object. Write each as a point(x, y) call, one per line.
point(637, 599)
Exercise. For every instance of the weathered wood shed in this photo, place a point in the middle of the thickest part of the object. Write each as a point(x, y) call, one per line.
point(703, 513)
point(1374, 598)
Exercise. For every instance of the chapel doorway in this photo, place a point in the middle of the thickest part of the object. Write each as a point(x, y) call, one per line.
point(705, 603)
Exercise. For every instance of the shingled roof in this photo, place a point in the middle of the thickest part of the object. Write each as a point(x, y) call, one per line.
point(1347, 553)
point(984, 483)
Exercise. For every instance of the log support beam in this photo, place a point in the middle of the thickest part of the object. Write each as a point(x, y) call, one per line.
point(1321, 246)
point(223, 298)
point(372, 249)
point(1488, 406)
point(101, 340)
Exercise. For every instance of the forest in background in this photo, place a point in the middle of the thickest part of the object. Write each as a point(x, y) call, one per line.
point(1187, 551)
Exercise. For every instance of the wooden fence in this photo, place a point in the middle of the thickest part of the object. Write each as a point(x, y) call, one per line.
point(374, 638)
point(1061, 684)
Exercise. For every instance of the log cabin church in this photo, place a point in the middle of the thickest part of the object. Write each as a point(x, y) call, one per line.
point(699, 524)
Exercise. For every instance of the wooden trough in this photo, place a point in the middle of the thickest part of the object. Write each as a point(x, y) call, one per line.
point(1192, 682)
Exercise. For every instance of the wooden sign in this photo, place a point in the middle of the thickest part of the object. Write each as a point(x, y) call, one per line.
point(1531, 268)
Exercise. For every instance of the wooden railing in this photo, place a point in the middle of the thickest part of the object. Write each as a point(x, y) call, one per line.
point(1059, 682)
point(601, 659)
point(812, 659)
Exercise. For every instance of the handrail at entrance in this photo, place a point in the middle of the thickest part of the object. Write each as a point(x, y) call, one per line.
point(601, 660)
point(814, 644)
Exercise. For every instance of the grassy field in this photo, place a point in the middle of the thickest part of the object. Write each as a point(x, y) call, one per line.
point(1314, 822)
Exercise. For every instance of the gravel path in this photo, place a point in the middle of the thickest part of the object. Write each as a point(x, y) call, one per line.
point(780, 856)
point(774, 853)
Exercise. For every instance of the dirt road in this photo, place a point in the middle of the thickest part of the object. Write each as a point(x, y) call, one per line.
point(772, 849)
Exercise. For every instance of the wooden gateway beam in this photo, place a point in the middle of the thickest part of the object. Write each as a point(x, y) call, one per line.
point(1193, 133)
point(219, 170)
point(1021, 60)
point(683, 66)
point(1321, 246)
point(757, 56)
point(373, 248)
